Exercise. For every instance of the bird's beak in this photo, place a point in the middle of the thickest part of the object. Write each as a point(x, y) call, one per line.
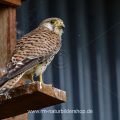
point(63, 26)
point(60, 25)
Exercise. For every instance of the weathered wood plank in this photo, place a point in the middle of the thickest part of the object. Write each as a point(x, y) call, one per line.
point(19, 117)
point(8, 37)
point(11, 2)
point(7, 33)
point(29, 97)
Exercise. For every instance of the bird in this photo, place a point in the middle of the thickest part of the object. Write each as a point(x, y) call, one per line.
point(35, 51)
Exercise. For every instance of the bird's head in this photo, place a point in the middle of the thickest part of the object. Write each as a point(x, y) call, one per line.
point(54, 24)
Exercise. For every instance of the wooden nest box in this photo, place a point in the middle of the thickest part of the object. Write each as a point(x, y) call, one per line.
point(26, 97)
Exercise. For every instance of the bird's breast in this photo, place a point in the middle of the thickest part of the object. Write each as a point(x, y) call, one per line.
point(40, 69)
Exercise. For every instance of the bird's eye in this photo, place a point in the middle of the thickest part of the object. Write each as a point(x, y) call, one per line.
point(52, 21)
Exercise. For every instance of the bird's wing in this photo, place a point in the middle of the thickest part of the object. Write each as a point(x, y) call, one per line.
point(34, 48)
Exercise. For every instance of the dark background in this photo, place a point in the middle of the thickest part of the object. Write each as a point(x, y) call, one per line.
point(88, 65)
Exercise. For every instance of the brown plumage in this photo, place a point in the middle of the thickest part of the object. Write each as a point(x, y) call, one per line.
point(35, 50)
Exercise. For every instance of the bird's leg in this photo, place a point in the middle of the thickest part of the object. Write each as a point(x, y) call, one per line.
point(32, 77)
point(41, 79)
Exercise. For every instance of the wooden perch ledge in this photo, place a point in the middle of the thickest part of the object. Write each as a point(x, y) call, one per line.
point(29, 97)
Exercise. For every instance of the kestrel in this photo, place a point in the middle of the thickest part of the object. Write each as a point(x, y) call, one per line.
point(35, 51)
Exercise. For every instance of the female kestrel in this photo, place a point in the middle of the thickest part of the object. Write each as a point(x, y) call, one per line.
point(35, 50)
